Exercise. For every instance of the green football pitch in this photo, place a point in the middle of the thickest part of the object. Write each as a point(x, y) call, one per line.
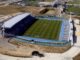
point(47, 29)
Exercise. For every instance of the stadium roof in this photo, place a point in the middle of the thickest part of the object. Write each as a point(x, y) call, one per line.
point(10, 23)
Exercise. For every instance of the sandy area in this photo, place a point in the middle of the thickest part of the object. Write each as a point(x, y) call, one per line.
point(24, 49)
point(15, 9)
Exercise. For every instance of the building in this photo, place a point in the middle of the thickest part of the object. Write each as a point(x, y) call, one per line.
point(9, 1)
point(18, 24)
point(53, 3)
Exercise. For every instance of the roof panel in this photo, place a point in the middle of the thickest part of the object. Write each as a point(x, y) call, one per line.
point(10, 23)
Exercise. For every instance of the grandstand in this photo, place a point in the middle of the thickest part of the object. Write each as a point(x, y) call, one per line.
point(16, 25)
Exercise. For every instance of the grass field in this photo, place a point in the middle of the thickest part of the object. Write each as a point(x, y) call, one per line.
point(74, 9)
point(47, 29)
point(74, 2)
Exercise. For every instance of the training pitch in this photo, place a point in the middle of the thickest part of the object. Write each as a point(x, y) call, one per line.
point(46, 29)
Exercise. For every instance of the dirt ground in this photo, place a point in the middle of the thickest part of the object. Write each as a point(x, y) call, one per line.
point(31, 9)
point(77, 57)
point(78, 17)
point(49, 49)
point(14, 9)
point(21, 49)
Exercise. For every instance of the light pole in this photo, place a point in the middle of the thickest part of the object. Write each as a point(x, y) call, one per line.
point(3, 31)
point(79, 22)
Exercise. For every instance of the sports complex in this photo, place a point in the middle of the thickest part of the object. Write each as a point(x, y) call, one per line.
point(52, 31)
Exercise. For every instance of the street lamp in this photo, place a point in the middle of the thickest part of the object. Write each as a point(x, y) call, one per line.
point(3, 31)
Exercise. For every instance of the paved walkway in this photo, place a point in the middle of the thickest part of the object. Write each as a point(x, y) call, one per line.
point(48, 56)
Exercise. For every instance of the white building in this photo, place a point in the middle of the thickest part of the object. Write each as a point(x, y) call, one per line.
point(47, 3)
point(9, 1)
point(71, 30)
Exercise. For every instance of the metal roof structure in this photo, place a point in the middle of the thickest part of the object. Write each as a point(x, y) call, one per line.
point(10, 23)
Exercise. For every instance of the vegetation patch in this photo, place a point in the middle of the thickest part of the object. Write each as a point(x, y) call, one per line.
point(74, 2)
point(77, 57)
point(74, 9)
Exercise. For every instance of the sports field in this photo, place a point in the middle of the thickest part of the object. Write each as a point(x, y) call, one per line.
point(47, 29)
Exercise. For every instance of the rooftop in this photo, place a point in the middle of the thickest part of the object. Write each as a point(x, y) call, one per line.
point(10, 23)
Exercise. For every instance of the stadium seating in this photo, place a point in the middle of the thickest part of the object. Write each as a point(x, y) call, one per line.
point(20, 27)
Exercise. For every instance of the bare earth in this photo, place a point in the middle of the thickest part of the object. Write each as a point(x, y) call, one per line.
point(15, 9)
point(16, 48)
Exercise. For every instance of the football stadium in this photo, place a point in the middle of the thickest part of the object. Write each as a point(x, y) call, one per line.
point(39, 29)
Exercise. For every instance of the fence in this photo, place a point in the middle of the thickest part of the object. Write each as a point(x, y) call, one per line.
point(54, 43)
point(48, 17)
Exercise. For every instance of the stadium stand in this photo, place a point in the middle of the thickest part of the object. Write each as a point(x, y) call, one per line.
point(18, 24)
